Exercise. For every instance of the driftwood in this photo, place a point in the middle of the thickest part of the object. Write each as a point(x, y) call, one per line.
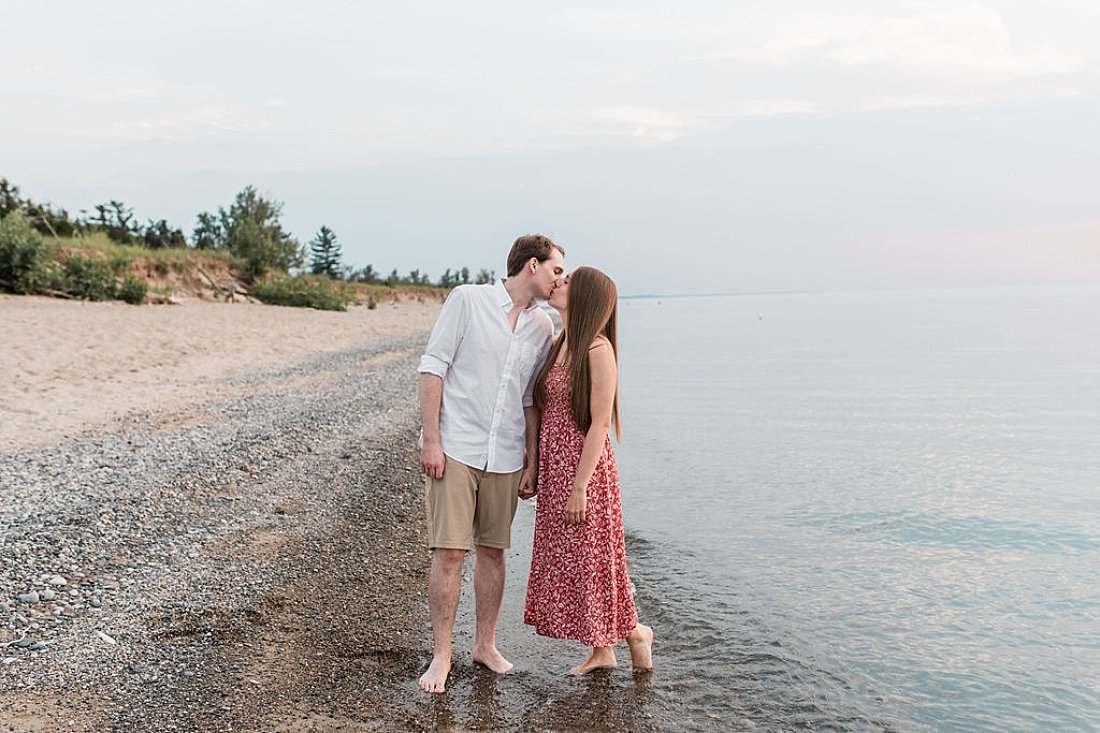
point(10, 287)
point(210, 280)
point(46, 221)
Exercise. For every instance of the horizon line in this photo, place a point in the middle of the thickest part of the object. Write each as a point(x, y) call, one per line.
point(644, 296)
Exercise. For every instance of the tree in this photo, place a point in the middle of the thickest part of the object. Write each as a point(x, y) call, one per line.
point(326, 254)
point(158, 235)
point(368, 275)
point(9, 198)
point(208, 232)
point(116, 220)
point(365, 275)
point(484, 277)
point(253, 232)
point(451, 279)
point(24, 258)
point(47, 220)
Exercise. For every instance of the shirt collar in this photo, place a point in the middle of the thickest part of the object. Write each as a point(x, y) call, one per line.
point(504, 300)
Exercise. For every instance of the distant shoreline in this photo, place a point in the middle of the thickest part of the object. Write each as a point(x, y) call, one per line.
point(740, 293)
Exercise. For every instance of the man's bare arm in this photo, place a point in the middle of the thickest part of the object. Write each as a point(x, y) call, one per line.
point(432, 459)
point(528, 485)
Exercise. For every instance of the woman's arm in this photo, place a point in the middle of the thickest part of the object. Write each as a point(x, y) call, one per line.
point(601, 365)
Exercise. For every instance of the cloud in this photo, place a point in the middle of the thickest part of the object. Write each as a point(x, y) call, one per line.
point(431, 79)
point(64, 102)
point(645, 123)
point(970, 40)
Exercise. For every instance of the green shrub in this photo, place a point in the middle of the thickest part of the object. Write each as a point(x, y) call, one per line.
point(133, 290)
point(90, 278)
point(302, 292)
point(24, 257)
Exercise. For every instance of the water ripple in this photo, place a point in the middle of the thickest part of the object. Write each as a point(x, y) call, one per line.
point(962, 532)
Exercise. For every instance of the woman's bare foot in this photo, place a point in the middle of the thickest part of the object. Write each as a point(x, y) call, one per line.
point(492, 659)
point(603, 657)
point(641, 648)
point(435, 679)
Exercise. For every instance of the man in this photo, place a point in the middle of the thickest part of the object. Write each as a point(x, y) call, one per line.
point(480, 438)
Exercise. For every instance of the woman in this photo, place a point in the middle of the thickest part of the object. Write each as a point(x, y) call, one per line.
point(578, 587)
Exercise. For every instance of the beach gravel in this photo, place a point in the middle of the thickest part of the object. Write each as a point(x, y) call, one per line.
point(251, 563)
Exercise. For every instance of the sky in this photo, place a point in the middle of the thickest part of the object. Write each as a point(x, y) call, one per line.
point(690, 147)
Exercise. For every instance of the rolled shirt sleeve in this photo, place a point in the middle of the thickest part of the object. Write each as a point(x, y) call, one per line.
point(446, 335)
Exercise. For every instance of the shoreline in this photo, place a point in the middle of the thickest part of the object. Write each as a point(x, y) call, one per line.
point(253, 558)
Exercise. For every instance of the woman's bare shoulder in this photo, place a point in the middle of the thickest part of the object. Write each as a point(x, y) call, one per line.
point(599, 342)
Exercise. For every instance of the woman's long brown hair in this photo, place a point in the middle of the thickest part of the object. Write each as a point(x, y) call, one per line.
point(592, 310)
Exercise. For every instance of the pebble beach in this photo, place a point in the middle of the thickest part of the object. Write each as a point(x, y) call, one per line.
point(209, 516)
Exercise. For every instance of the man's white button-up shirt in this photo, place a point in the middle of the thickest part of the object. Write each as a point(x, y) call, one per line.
point(488, 373)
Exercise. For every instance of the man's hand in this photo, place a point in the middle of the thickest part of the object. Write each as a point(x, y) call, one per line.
point(432, 461)
point(528, 485)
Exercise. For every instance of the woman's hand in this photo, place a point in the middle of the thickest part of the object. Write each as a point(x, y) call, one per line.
point(575, 507)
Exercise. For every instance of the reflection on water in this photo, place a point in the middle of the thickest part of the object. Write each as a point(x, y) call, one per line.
point(478, 699)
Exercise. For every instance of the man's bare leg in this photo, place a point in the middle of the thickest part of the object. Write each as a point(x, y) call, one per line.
point(489, 590)
point(602, 657)
point(444, 586)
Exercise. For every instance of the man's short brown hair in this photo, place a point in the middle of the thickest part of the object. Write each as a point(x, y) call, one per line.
point(528, 246)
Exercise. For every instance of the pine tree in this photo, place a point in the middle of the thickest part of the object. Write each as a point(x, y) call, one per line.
point(326, 254)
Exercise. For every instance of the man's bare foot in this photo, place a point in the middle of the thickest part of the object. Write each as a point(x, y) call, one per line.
point(603, 657)
point(435, 679)
point(641, 648)
point(492, 659)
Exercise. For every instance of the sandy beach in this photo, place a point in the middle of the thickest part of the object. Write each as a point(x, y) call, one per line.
point(211, 520)
point(70, 365)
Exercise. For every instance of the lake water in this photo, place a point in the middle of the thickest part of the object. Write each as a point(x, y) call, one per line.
point(865, 511)
point(845, 512)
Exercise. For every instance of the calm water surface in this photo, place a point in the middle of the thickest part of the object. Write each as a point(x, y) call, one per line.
point(845, 512)
point(868, 511)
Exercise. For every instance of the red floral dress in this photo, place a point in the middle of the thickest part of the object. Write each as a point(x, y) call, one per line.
point(578, 588)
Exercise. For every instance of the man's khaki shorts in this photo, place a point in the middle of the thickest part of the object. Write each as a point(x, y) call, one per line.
point(470, 507)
